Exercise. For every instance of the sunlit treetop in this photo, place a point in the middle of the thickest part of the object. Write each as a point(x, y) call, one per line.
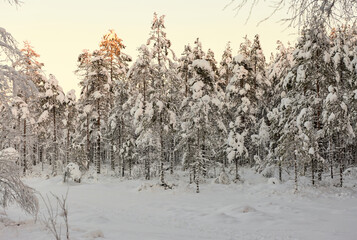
point(111, 44)
point(30, 55)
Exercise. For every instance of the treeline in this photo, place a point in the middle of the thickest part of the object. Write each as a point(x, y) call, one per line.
point(162, 111)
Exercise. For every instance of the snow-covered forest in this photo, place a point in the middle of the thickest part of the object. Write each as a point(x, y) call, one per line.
point(161, 111)
point(194, 117)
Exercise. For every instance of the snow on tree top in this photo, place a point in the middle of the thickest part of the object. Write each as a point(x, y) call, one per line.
point(87, 108)
point(97, 95)
point(239, 58)
point(203, 64)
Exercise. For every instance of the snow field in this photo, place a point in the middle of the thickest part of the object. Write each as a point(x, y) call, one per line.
point(111, 208)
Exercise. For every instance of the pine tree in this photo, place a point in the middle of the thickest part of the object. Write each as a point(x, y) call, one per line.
point(84, 103)
point(69, 122)
point(225, 71)
point(29, 66)
point(307, 78)
point(198, 119)
point(277, 71)
point(117, 66)
point(156, 105)
point(52, 115)
point(336, 113)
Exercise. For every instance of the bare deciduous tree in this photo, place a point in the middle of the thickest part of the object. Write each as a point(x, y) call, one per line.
point(15, 2)
point(302, 12)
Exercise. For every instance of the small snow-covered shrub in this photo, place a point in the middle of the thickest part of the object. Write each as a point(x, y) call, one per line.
point(91, 174)
point(268, 172)
point(223, 178)
point(350, 172)
point(12, 189)
point(136, 172)
point(72, 171)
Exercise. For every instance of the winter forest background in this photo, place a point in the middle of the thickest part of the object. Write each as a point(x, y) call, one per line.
point(204, 115)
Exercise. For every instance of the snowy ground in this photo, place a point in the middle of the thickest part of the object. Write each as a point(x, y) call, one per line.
point(111, 208)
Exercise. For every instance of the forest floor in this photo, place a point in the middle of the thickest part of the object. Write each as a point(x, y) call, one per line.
point(106, 207)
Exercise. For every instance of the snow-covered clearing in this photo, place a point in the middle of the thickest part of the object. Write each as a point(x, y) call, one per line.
point(111, 208)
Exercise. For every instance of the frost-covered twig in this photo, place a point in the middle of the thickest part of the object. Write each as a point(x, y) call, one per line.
point(50, 219)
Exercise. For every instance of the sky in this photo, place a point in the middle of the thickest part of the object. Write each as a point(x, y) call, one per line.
point(60, 29)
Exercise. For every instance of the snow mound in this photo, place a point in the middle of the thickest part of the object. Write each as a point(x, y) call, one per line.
point(154, 187)
point(94, 234)
point(247, 209)
point(72, 171)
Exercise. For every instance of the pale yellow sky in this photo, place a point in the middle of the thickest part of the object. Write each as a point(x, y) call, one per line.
point(60, 29)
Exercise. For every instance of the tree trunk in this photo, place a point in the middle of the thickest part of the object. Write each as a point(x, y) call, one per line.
point(88, 141)
point(295, 173)
point(237, 174)
point(312, 171)
point(341, 171)
point(34, 154)
point(112, 160)
point(341, 174)
point(98, 140)
point(172, 156)
point(54, 143)
point(320, 170)
point(197, 179)
point(68, 147)
point(25, 153)
point(162, 177)
point(330, 154)
point(130, 166)
point(123, 166)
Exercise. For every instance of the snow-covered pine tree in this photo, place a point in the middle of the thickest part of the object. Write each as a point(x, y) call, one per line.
point(225, 70)
point(242, 115)
point(336, 113)
point(261, 86)
point(53, 110)
point(69, 122)
point(166, 85)
point(277, 71)
point(116, 63)
point(184, 72)
point(154, 111)
point(21, 112)
point(85, 132)
point(198, 122)
point(99, 89)
point(307, 78)
point(243, 92)
point(140, 78)
point(32, 69)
